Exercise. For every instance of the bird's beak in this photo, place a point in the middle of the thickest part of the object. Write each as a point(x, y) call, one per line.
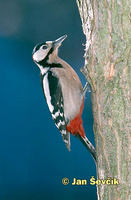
point(58, 42)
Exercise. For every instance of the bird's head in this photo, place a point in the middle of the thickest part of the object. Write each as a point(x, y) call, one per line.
point(46, 52)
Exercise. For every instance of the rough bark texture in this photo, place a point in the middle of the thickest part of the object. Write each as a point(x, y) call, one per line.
point(107, 27)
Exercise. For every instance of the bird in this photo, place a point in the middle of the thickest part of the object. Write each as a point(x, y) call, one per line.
point(63, 92)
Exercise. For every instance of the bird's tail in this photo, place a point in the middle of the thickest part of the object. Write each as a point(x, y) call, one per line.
point(88, 145)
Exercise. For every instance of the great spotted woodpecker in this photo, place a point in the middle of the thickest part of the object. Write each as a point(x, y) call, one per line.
point(63, 92)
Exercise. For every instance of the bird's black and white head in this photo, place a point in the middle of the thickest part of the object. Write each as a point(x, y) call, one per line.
point(46, 53)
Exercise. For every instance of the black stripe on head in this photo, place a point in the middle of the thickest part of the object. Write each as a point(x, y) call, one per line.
point(44, 61)
point(37, 47)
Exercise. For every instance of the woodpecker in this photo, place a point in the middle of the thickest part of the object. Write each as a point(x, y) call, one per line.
point(63, 92)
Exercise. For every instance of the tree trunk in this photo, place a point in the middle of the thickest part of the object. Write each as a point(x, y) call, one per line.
point(107, 27)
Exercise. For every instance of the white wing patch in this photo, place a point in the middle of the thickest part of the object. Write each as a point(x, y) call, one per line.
point(47, 92)
point(57, 114)
point(60, 123)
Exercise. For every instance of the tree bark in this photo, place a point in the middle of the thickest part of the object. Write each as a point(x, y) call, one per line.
point(107, 27)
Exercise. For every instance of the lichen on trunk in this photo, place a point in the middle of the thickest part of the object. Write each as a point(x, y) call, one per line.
point(107, 27)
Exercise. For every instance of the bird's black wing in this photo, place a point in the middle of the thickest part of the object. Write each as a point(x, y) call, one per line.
point(54, 98)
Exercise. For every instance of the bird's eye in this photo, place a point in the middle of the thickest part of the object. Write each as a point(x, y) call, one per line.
point(44, 47)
